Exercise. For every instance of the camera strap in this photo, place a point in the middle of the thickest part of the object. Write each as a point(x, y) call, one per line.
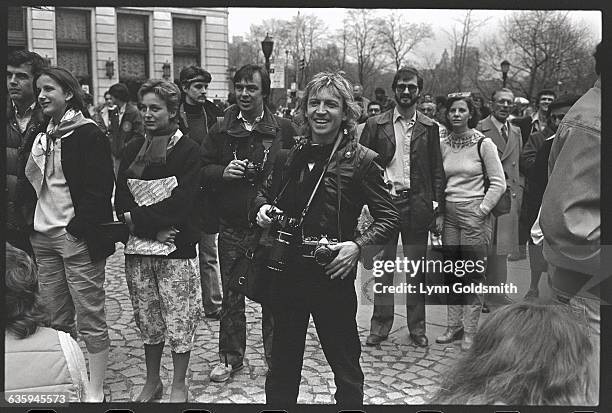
point(314, 191)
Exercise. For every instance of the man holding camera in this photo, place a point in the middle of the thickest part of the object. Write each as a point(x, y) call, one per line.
point(311, 202)
point(237, 155)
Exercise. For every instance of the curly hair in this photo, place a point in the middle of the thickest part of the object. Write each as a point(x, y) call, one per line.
point(22, 306)
point(528, 353)
point(167, 91)
point(336, 82)
point(473, 121)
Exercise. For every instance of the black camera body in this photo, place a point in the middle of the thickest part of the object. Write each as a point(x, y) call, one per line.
point(318, 249)
point(252, 171)
point(287, 229)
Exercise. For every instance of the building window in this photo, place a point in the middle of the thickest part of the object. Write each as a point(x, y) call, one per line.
point(186, 42)
point(17, 38)
point(73, 33)
point(133, 45)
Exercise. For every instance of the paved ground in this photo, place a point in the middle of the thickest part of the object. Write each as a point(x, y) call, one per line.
point(396, 372)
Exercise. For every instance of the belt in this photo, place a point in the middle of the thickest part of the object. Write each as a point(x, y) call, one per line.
point(403, 194)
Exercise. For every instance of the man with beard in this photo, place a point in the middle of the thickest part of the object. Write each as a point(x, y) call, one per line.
point(507, 138)
point(408, 144)
point(196, 116)
point(24, 121)
point(249, 134)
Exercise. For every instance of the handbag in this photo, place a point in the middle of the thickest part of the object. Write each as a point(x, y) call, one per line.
point(249, 275)
point(505, 202)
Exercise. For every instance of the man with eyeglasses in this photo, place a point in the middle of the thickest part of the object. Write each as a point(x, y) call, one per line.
point(507, 138)
point(408, 145)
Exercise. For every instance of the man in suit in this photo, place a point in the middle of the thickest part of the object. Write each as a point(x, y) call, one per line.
point(125, 122)
point(507, 138)
point(408, 145)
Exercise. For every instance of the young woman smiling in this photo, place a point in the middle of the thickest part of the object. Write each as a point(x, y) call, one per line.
point(67, 191)
point(467, 221)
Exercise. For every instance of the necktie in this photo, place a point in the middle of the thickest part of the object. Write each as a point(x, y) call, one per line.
point(504, 134)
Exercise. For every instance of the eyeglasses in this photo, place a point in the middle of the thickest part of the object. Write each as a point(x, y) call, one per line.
point(459, 95)
point(402, 86)
point(558, 117)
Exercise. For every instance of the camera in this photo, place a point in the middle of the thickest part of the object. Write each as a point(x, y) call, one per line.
point(318, 248)
point(252, 171)
point(286, 229)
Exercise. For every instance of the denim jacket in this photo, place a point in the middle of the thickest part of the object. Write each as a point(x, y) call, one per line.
point(570, 218)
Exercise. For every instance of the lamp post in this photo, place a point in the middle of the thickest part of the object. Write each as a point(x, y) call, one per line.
point(505, 66)
point(110, 68)
point(166, 70)
point(266, 46)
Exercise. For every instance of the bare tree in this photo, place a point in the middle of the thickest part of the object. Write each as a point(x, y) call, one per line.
point(400, 37)
point(463, 56)
point(365, 44)
point(545, 48)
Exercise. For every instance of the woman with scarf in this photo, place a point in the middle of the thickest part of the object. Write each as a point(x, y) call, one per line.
point(64, 193)
point(467, 221)
point(164, 289)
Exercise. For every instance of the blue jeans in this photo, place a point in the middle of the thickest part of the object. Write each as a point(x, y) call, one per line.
point(587, 313)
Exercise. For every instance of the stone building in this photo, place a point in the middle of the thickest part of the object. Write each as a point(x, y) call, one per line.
point(105, 45)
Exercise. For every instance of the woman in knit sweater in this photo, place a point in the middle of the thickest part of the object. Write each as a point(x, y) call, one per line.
point(164, 277)
point(467, 221)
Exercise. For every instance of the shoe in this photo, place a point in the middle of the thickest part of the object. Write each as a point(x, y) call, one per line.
point(499, 299)
point(374, 340)
point(214, 316)
point(420, 340)
point(485, 308)
point(451, 334)
point(532, 294)
point(155, 395)
point(222, 372)
point(468, 340)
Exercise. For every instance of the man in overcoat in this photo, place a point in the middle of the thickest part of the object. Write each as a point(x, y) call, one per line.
point(507, 138)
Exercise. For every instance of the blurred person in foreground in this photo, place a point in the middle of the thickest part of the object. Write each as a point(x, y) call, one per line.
point(36, 357)
point(525, 354)
point(329, 167)
point(570, 215)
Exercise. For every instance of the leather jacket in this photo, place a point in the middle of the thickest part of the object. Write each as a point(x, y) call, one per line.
point(427, 177)
point(361, 183)
point(232, 198)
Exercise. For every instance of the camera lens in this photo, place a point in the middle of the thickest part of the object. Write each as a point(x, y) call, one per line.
point(323, 255)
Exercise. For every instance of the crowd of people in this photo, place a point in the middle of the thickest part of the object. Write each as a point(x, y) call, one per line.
point(192, 189)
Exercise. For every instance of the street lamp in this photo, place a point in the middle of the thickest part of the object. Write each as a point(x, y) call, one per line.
point(166, 70)
point(110, 68)
point(266, 46)
point(505, 66)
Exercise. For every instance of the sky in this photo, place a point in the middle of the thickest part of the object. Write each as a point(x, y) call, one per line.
point(441, 21)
